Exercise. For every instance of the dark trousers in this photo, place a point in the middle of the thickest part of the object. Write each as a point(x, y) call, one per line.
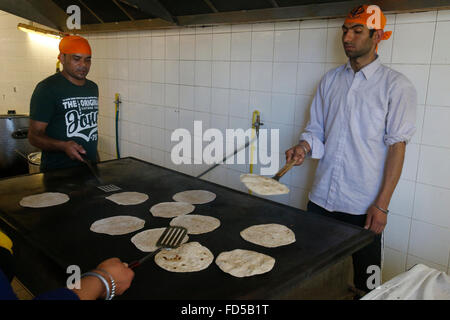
point(362, 259)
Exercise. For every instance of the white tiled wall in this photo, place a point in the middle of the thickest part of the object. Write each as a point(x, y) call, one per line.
point(220, 75)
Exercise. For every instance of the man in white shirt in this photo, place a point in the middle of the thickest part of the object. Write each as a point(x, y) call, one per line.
point(362, 117)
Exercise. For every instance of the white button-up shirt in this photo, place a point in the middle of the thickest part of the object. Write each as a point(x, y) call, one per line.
point(354, 118)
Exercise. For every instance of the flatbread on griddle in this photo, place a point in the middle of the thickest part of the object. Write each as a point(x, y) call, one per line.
point(146, 240)
point(189, 257)
point(269, 235)
point(263, 185)
point(117, 225)
point(196, 224)
point(194, 196)
point(128, 198)
point(46, 199)
point(244, 263)
point(171, 209)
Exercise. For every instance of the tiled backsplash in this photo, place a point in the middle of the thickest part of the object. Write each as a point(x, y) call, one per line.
point(220, 75)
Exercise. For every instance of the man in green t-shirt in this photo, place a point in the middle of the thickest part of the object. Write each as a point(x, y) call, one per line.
point(64, 110)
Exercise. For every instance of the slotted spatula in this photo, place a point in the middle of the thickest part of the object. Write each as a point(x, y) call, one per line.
point(171, 238)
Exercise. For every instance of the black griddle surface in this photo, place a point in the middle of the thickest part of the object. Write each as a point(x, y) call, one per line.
point(62, 234)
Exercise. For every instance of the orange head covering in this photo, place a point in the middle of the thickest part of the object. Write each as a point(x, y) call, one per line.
point(370, 16)
point(74, 44)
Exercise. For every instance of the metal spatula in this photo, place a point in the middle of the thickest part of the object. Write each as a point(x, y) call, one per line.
point(171, 238)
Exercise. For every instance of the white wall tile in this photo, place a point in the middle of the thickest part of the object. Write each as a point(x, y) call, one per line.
point(262, 46)
point(266, 26)
point(283, 108)
point(221, 46)
point(241, 46)
point(202, 99)
point(284, 77)
point(308, 77)
point(158, 71)
point(286, 45)
point(261, 77)
point(187, 72)
point(156, 94)
point(393, 265)
point(406, 47)
point(221, 74)
point(313, 43)
point(431, 205)
point(240, 75)
point(187, 95)
point(239, 101)
point(443, 15)
point(302, 107)
point(441, 50)
point(187, 47)
point(436, 130)
point(313, 23)
point(335, 49)
point(402, 201)
point(220, 101)
point(429, 242)
point(173, 47)
point(434, 166)
point(438, 93)
point(172, 71)
point(203, 46)
point(416, 17)
point(298, 198)
point(172, 95)
point(158, 47)
point(203, 73)
point(287, 25)
point(396, 233)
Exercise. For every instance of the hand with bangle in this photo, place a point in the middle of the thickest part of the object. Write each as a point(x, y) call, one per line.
point(111, 277)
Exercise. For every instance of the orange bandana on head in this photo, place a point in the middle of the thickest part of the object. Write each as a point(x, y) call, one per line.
point(74, 44)
point(370, 16)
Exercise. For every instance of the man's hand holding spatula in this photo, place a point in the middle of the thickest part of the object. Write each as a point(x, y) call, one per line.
point(298, 152)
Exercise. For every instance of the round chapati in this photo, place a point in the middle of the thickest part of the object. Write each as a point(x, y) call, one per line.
point(146, 240)
point(194, 196)
point(244, 263)
point(171, 209)
point(188, 257)
point(269, 235)
point(128, 198)
point(46, 199)
point(117, 225)
point(196, 224)
point(264, 186)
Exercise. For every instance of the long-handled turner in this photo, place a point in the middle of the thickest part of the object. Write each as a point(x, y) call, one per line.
point(265, 185)
point(171, 238)
point(103, 187)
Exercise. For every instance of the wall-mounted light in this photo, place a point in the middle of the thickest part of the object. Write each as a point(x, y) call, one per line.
point(40, 31)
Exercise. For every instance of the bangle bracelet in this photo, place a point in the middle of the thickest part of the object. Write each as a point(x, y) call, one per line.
point(304, 149)
point(113, 285)
point(102, 279)
point(382, 210)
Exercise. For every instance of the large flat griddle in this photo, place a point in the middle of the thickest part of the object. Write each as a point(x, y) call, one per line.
point(48, 240)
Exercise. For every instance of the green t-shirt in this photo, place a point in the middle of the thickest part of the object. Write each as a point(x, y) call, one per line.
point(71, 112)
